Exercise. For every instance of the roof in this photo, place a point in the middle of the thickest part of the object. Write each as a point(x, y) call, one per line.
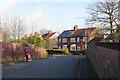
point(66, 33)
point(48, 35)
point(76, 33)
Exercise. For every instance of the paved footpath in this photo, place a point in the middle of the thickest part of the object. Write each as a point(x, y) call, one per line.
point(56, 67)
point(86, 70)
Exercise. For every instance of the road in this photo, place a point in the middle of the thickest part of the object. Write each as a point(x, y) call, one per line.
point(63, 66)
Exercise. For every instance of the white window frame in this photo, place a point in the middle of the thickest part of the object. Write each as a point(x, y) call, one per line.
point(59, 40)
point(84, 47)
point(64, 40)
point(84, 39)
point(78, 39)
point(73, 46)
point(79, 47)
point(72, 39)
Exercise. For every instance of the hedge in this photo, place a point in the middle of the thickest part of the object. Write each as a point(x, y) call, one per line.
point(58, 51)
point(78, 52)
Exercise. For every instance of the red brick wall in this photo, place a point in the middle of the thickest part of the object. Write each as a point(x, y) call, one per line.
point(105, 60)
point(14, 52)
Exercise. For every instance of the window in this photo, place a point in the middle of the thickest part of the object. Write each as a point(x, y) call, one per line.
point(110, 40)
point(64, 39)
point(78, 39)
point(64, 46)
point(59, 40)
point(79, 48)
point(84, 39)
point(59, 47)
point(72, 39)
point(73, 47)
point(84, 47)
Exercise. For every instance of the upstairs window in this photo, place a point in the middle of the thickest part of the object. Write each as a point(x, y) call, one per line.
point(59, 40)
point(72, 39)
point(64, 39)
point(78, 39)
point(85, 39)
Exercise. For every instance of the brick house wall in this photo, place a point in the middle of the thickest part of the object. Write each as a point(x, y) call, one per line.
point(80, 43)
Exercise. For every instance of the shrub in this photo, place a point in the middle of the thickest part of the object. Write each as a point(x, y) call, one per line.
point(46, 53)
point(78, 52)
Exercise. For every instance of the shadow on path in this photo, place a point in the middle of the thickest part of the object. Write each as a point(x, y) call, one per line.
point(87, 70)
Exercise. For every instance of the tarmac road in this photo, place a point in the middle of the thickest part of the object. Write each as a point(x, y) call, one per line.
point(63, 66)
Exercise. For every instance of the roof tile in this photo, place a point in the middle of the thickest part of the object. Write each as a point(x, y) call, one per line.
point(76, 33)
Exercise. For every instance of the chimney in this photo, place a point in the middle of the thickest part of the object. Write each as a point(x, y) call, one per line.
point(50, 32)
point(25, 35)
point(35, 33)
point(75, 27)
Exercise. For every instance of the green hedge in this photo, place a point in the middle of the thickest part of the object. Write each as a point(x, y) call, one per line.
point(78, 52)
point(57, 51)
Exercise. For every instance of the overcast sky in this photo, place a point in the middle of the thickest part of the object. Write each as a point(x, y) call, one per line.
point(55, 15)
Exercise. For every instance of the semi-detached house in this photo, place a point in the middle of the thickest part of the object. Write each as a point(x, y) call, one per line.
point(77, 38)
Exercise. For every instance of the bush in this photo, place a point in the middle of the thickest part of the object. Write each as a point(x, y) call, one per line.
point(46, 53)
point(58, 51)
point(78, 52)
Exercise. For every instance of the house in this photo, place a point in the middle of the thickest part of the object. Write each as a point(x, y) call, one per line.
point(48, 35)
point(51, 39)
point(77, 39)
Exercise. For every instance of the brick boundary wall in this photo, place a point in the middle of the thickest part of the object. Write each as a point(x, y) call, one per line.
point(105, 58)
point(14, 52)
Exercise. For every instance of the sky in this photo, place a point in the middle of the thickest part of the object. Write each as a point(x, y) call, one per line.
point(55, 15)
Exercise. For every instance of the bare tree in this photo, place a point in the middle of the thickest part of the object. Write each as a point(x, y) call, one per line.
point(6, 29)
point(21, 28)
point(52, 42)
point(34, 23)
point(106, 14)
point(11, 27)
point(43, 31)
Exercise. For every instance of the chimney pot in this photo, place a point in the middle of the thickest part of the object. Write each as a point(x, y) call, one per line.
point(35, 33)
point(25, 35)
point(50, 32)
point(75, 27)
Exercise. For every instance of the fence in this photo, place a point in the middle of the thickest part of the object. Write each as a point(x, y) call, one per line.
point(105, 58)
point(15, 52)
